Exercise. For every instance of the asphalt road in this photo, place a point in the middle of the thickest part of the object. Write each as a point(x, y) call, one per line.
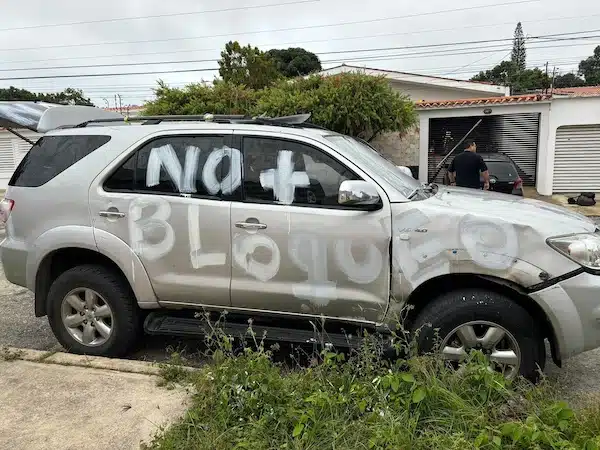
point(578, 379)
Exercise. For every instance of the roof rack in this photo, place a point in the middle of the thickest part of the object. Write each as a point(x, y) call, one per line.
point(298, 120)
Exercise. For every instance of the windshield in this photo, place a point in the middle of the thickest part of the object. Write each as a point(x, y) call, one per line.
point(504, 171)
point(372, 162)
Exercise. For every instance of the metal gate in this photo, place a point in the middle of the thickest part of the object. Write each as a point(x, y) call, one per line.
point(7, 159)
point(577, 159)
point(515, 135)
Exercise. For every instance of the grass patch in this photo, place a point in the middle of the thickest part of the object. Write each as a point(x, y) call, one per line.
point(246, 400)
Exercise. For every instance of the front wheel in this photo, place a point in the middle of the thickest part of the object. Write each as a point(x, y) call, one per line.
point(92, 311)
point(476, 319)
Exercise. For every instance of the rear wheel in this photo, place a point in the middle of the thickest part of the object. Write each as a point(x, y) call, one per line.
point(92, 311)
point(475, 319)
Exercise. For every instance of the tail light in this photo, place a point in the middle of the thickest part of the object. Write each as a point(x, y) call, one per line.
point(518, 183)
point(6, 206)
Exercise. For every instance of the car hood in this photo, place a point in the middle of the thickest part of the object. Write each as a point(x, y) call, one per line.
point(548, 219)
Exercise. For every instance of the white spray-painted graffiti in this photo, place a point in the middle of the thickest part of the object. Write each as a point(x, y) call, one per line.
point(309, 253)
point(284, 180)
point(490, 244)
point(184, 178)
point(244, 247)
point(140, 227)
point(198, 258)
point(232, 180)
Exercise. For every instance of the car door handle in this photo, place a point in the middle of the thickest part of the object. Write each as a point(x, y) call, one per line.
point(111, 214)
point(251, 225)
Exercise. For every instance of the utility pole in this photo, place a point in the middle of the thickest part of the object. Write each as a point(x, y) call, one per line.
point(552, 82)
point(120, 104)
point(546, 75)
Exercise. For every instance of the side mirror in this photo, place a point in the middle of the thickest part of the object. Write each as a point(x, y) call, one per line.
point(359, 193)
point(406, 170)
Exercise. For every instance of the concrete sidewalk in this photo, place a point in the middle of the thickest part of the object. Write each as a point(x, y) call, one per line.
point(50, 401)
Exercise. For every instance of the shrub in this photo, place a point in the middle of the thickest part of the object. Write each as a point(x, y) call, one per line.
point(354, 104)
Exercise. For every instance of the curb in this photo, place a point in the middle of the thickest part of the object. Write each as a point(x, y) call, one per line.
point(70, 359)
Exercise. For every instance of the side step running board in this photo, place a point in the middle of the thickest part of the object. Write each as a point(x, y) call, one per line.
point(162, 324)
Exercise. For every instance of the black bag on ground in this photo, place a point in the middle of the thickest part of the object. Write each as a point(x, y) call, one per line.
point(583, 199)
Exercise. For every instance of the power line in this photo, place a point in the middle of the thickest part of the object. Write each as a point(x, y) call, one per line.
point(99, 75)
point(365, 58)
point(440, 53)
point(370, 36)
point(307, 27)
point(555, 37)
point(156, 16)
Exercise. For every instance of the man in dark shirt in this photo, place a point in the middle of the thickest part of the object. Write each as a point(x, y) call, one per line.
point(466, 167)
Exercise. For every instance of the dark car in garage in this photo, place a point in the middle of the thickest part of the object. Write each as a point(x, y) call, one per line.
point(504, 175)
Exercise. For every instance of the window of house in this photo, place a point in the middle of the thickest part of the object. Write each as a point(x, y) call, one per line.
point(287, 172)
point(175, 165)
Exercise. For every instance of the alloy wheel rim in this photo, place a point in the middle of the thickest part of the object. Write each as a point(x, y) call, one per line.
point(87, 317)
point(498, 345)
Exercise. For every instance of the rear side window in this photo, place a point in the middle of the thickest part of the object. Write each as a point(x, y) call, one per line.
point(502, 170)
point(52, 155)
point(173, 165)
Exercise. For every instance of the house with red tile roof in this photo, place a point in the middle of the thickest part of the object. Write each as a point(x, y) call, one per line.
point(553, 138)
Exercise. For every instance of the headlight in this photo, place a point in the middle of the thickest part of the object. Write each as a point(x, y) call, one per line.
point(581, 248)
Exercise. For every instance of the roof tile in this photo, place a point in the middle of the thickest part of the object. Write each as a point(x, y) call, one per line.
point(483, 101)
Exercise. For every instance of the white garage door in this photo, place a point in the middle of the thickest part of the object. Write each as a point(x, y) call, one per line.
point(577, 159)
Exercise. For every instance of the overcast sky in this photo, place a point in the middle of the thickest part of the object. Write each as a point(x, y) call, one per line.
point(37, 35)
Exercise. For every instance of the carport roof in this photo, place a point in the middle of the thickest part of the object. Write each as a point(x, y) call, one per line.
point(510, 100)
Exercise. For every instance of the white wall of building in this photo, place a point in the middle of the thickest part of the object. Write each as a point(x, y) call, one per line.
point(425, 87)
point(424, 92)
point(565, 111)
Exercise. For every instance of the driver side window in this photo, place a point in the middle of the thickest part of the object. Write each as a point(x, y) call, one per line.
point(291, 173)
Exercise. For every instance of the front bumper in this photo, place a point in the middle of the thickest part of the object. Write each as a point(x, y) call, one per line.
point(573, 307)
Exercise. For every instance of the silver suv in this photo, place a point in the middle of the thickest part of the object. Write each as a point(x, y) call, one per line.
point(119, 227)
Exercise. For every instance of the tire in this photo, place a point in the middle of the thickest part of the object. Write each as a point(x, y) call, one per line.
point(112, 290)
point(477, 308)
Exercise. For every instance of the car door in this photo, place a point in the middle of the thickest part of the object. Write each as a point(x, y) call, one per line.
point(295, 249)
point(165, 200)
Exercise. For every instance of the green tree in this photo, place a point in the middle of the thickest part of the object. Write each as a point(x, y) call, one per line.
point(198, 98)
point(247, 65)
point(568, 80)
point(590, 68)
point(294, 62)
point(14, 94)
point(69, 96)
point(519, 54)
point(354, 104)
point(507, 73)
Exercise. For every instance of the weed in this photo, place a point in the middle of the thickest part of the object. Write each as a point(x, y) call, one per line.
point(359, 400)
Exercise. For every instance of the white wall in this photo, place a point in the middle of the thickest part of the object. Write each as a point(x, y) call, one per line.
point(437, 93)
point(564, 111)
